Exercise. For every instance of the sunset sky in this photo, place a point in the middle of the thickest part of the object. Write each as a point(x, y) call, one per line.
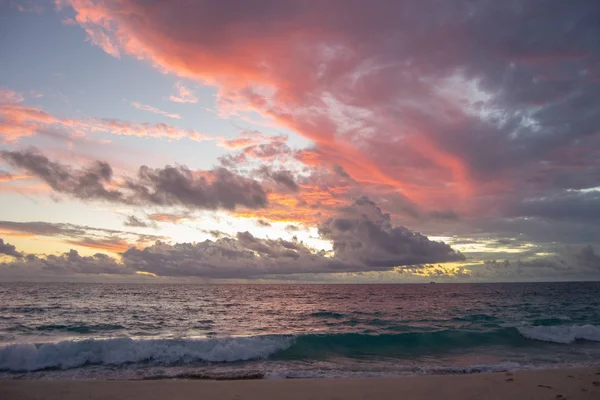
point(307, 140)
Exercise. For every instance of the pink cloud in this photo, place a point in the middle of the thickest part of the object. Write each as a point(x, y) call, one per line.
point(183, 94)
point(385, 92)
point(146, 107)
point(19, 120)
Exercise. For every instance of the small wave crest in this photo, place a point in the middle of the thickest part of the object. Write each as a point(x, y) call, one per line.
point(82, 328)
point(73, 354)
point(561, 333)
point(327, 314)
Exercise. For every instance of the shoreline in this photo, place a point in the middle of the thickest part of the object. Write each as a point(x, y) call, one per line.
point(569, 383)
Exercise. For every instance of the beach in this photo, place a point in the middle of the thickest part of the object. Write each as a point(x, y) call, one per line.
point(580, 383)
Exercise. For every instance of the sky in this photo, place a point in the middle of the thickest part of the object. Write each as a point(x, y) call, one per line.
point(299, 141)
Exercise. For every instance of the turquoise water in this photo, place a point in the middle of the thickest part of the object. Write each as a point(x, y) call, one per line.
point(138, 331)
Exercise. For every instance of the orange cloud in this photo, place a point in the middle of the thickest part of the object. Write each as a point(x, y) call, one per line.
point(6, 177)
point(313, 203)
point(17, 234)
point(110, 245)
point(167, 217)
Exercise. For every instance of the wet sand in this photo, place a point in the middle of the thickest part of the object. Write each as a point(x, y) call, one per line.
point(541, 384)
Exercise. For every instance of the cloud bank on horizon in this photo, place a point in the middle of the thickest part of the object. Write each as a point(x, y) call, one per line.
point(476, 124)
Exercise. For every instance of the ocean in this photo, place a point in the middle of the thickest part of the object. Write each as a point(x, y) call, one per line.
point(152, 331)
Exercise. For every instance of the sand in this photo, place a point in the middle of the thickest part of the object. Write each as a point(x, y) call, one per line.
point(546, 384)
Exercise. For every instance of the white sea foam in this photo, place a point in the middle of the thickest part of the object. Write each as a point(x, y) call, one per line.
point(388, 370)
point(72, 354)
point(561, 333)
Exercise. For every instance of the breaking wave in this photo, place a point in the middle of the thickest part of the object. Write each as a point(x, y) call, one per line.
point(562, 333)
point(73, 354)
point(123, 351)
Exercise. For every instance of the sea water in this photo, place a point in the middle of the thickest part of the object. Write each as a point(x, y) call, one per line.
point(142, 331)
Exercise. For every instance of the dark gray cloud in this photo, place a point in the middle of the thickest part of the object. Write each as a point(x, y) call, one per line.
point(9, 249)
point(565, 205)
point(171, 186)
point(363, 232)
point(86, 236)
point(87, 183)
point(241, 257)
point(569, 263)
point(68, 263)
point(135, 222)
point(281, 177)
point(46, 228)
point(168, 186)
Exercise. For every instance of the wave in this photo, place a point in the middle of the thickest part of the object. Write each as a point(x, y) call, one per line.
point(327, 314)
point(392, 371)
point(82, 328)
point(406, 344)
point(73, 354)
point(122, 351)
point(564, 334)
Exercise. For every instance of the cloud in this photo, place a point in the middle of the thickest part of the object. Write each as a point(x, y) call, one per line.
point(508, 100)
point(320, 192)
point(87, 183)
point(362, 236)
point(43, 228)
point(168, 186)
point(251, 139)
point(444, 214)
point(582, 205)
point(498, 126)
point(173, 218)
point(363, 240)
point(183, 94)
point(580, 263)
point(18, 120)
point(135, 222)
point(214, 189)
point(85, 236)
point(281, 177)
point(8, 177)
point(363, 232)
point(114, 245)
point(274, 150)
point(9, 250)
point(245, 139)
point(66, 264)
point(368, 243)
point(10, 96)
point(145, 107)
